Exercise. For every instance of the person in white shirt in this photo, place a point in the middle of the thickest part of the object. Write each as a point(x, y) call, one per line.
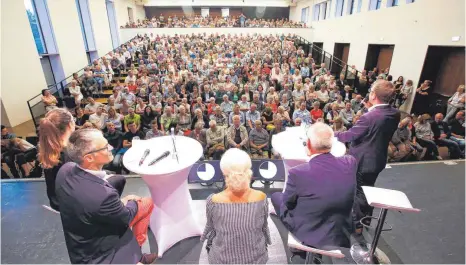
point(323, 94)
point(92, 106)
point(130, 77)
point(98, 118)
point(75, 91)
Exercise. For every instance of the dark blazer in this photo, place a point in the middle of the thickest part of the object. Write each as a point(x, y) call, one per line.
point(343, 94)
point(318, 199)
point(95, 221)
point(370, 136)
point(211, 95)
point(341, 84)
point(436, 129)
point(250, 94)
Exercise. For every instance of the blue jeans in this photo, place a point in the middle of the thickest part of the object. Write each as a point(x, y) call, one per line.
point(116, 163)
point(460, 142)
point(452, 146)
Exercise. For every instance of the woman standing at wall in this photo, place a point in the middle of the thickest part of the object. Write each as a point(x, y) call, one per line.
point(421, 100)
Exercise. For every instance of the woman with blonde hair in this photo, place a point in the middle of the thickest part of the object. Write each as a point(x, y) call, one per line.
point(338, 125)
point(237, 229)
point(425, 136)
point(455, 103)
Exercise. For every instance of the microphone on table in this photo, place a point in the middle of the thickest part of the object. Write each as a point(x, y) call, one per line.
point(146, 153)
point(162, 156)
point(172, 130)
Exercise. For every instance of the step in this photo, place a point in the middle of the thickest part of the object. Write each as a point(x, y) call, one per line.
point(108, 92)
point(102, 100)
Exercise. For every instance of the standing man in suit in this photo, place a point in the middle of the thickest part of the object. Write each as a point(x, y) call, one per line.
point(95, 221)
point(369, 139)
point(318, 198)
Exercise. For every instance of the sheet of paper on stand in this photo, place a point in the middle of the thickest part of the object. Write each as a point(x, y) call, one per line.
point(386, 198)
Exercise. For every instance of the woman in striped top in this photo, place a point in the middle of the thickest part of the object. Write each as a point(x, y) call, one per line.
point(236, 229)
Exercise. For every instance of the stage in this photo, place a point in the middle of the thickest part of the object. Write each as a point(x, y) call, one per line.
point(31, 234)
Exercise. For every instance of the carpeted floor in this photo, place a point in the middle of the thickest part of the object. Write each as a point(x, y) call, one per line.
point(31, 234)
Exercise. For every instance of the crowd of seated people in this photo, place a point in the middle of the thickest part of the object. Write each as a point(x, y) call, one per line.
point(197, 21)
point(238, 91)
point(17, 153)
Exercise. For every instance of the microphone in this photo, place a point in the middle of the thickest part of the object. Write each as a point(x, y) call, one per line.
point(146, 153)
point(162, 156)
point(172, 131)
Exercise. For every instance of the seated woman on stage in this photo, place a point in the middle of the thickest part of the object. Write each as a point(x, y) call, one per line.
point(236, 229)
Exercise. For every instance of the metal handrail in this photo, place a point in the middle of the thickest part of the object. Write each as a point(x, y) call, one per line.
point(333, 59)
point(60, 86)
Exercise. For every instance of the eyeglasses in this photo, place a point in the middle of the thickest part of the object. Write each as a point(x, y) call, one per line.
point(106, 147)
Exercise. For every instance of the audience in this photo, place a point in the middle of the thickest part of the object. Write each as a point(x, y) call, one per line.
point(257, 77)
point(212, 22)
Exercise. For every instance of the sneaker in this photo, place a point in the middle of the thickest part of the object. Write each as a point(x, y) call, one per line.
point(439, 158)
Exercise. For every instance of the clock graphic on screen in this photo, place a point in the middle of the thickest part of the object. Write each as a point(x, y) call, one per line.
point(205, 171)
point(268, 170)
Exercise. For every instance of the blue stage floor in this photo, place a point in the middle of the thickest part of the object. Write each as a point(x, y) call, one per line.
point(31, 234)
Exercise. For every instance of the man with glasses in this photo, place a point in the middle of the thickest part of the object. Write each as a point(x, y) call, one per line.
point(95, 220)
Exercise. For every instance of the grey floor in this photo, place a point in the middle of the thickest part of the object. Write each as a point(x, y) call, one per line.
point(30, 234)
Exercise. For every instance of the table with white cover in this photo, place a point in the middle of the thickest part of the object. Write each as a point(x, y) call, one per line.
point(290, 145)
point(172, 219)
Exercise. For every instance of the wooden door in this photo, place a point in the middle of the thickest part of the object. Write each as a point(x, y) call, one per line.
point(385, 58)
point(451, 73)
point(345, 54)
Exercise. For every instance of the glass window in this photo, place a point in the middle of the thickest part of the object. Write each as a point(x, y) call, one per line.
point(112, 23)
point(316, 12)
point(391, 3)
point(351, 7)
point(83, 31)
point(359, 6)
point(324, 10)
point(304, 14)
point(374, 4)
point(35, 26)
point(339, 8)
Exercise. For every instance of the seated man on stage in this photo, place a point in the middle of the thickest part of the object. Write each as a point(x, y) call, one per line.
point(318, 198)
point(96, 222)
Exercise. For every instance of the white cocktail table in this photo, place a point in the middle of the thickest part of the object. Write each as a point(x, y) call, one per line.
point(172, 219)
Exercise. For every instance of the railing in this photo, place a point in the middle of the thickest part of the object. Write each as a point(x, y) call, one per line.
point(334, 64)
point(37, 107)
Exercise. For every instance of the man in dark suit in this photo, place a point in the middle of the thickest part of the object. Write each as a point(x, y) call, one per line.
point(341, 83)
point(442, 134)
point(369, 139)
point(95, 221)
point(318, 198)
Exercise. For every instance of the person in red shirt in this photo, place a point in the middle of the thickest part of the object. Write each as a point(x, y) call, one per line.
point(132, 87)
point(316, 113)
point(211, 106)
point(266, 69)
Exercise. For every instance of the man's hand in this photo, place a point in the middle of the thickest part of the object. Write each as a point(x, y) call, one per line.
point(129, 198)
point(443, 136)
point(238, 146)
